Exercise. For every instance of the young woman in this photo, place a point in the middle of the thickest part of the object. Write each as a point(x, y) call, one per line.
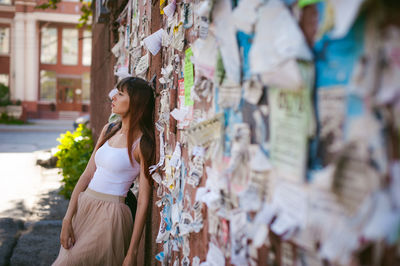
point(98, 227)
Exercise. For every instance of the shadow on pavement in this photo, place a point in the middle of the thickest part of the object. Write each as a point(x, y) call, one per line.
point(19, 210)
point(10, 231)
point(51, 206)
point(37, 241)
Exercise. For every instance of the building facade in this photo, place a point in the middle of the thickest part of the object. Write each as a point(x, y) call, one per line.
point(44, 58)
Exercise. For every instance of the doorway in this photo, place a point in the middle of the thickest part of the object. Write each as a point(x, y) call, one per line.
point(69, 94)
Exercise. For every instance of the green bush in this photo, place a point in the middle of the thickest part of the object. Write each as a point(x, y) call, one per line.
point(9, 120)
point(4, 95)
point(73, 155)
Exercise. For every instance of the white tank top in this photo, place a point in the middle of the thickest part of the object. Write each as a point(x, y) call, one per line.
point(114, 172)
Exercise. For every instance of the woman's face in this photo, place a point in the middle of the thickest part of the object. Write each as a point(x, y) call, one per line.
point(120, 103)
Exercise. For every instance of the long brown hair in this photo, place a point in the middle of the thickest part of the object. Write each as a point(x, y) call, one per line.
point(141, 112)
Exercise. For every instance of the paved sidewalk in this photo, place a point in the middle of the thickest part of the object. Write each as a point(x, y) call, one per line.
point(31, 209)
point(29, 234)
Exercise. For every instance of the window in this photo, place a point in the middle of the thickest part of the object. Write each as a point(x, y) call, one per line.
point(4, 40)
point(4, 79)
point(86, 86)
point(69, 47)
point(87, 48)
point(48, 50)
point(5, 2)
point(48, 85)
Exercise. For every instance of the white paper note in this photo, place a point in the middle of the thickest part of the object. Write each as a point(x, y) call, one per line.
point(259, 161)
point(345, 14)
point(196, 261)
point(245, 15)
point(291, 200)
point(286, 75)
point(143, 64)
point(340, 245)
point(153, 41)
point(270, 47)
point(226, 37)
point(215, 257)
point(175, 160)
point(169, 10)
point(204, 56)
point(122, 72)
point(178, 38)
point(238, 228)
point(179, 114)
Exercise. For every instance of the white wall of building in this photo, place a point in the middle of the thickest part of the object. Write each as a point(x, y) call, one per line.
point(18, 53)
point(31, 59)
point(24, 74)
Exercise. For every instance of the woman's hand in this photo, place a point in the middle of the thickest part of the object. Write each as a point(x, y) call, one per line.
point(67, 238)
point(130, 260)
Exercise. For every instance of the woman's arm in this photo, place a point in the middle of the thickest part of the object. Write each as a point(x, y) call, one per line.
point(141, 212)
point(67, 238)
point(83, 181)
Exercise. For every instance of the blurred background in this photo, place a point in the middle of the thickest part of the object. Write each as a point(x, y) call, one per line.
point(45, 59)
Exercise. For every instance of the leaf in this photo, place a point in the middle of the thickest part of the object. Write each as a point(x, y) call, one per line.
point(73, 155)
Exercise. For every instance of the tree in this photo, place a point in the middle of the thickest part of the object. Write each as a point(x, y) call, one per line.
point(85, 9)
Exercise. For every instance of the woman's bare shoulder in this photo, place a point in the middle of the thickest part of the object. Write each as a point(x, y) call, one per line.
point(104, 130)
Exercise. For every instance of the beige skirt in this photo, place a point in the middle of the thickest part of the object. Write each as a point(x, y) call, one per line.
point(103, 228)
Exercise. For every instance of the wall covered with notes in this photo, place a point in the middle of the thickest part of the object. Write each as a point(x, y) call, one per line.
point(278, 129)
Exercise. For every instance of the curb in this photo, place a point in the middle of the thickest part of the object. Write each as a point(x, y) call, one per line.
point(40, 126)
point(41, 129)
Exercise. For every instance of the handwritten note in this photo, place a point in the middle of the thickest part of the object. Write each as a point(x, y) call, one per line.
point(142, 65)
